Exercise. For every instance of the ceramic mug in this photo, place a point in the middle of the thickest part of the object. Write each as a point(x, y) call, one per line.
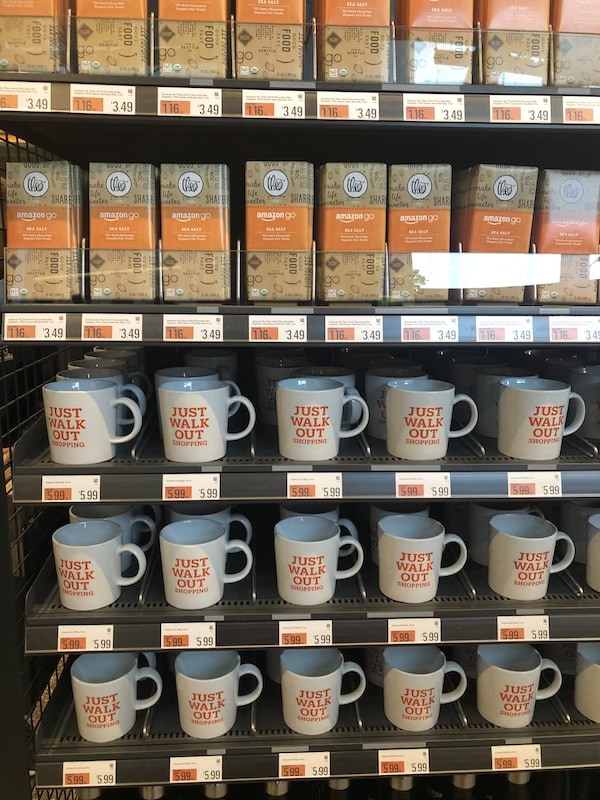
point(131, 524)
point(587, 680)
point(478, 528)
point(574, 517)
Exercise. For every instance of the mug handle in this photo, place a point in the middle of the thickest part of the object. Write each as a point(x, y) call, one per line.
point(137, 419)
point(137, 393)
point(536, 512)
point(455, 694)
point(352, 697)
point(354, 411)
point(150, 658)
point(142, 378)
point(246, 699)
point(138, 553)
point(152, 674)
point(549, 691)
point(235, 545)
point(352, 530)
point(240, 399)
point(569, 555)
point(142, 519)
point(460, 398)
point(462, 556)
point(352, 543)
point(364, 420)
point(235, 390)
point(245, 523)
point(579, 414)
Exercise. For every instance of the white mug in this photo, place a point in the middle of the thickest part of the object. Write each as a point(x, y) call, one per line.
point(194, 416)
point(169, 374)
point(520, 555)
point(463, 366)
point(131, 524)
point(413, 680)
point(131, 375)
point(309, 418)
point(353, 411)
point(377, 512)
point(478, 528)
point(311, 688)
point(587, 680)
point(466, 656)
point(270, 369)
point(508, 677)
point(320, 508)
point(81, 420)
point(105, 694)
point(193, 554)
point(87, 556)
point(486, 393)
point(133, 356)
point(376, 380)
point(306, 557)
point(585, 380)
point(418, 416)
point(574, 517)
point(592, 568)
point(563, 654)
point(223, 359)
point(531, 417)
point(208, 694)
point(219, 512)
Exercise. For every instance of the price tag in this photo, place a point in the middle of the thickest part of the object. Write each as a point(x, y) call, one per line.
point(305, 633)
point(20, 96)
point(434, 107)
point(535, 484)
point(574, 329)
point(196, 328)
point(187, 635)
point(414, 631)
point(111, 328)
point(403, 762)
point(273, 105)
point(303, 765)
point(411, 486)
point(354, 329)
point(520, 108)
point(196, 769)
point(77, 638)
point(522, 757)
point(581, 110)
point(179, 101)
point(504, 329)
point(89, 773)
point(348, 105)
point(314, 485)
point(429, 329)
point(115, 100)
point(192, 486)
point(534, 628)
point(35, 327)
point(70, 488)
point(277, 328)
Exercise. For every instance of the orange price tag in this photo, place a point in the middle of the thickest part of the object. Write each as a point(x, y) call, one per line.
point(417, 334)
point(521, 489)
point(303, 491)
point(506, 763)
point(20, 331)
point(180, 334)
point(411, 490)
point(564, 334)
point(506, 114)
point(259, 110)
point(177, 107)
point(512, 634)
point(9, 101)
point(419, 113)
point(579, 114)
point(58, 495)
point(77, 779)
point(184, 775)
point(88, 104)
point(392, 767)
point(293, 639)
point(293, 771)
point(178, 493)
point(176, 641)
point(72, 643)
point(340, 334)
point(402, 637)
point(265, 334)
point(491, 335)
point(334, 112)
point(97, 332)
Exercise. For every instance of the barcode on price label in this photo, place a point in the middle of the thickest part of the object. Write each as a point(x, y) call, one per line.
point(419, 630)
point(523, 757)
point(196, 769)
point(429, 329)
point(314, 485)
point(113, 328)
point(413, 486)
point(76, 638)
point(277, 328)
point(532, 628)
point(71, 489)
point(197, 328)
point(403, 762)
point(574, 329)
point(354, 329)
point(304, 765)
point(535, 484)
point(305, 633)
point(89, 773)
point(187, 635)
point(191, 486)
point(35, 327)
point(491, 330)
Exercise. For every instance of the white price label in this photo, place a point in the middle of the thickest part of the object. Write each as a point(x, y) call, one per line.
point(354, 329)
point(111, 328)
point(82, 774)
point(196, 328)
point(78, 638)
point(116, 100)
point(437, 330)
point(412, 486)
point(35, 327)
point(520, 108)
point(192, 486)
point(522, 757)
point(273, 105)
point(178, 101)
point(581, 110)
point(535, 484)
point(533, 628)
point(434, 108)
point(574, 329)
point(196, 769)
point(419, 630)
point(504, 329)
point(70, 488)
point(305, 633)
point(403, 762)
point(303, 765)
point(21, 96)
point(277, 328)
point(314, 485)
point(348, 105)
point(187, 635)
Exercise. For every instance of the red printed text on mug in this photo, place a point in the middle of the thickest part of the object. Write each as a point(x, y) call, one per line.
point(516, 700)
point(313, 704)
point(414, 570)
point(307, 573)
point(189, 426)
point(310, 424)
point(101, 710)
point(76, 577)
point(531, 568)
point(65, 426)
point(207, 707)
point(417, 703)
point(546, 424)
point(423, 424)
point(190, 575)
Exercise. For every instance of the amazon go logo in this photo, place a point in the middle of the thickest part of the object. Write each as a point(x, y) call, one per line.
point(275, 182)
point(118, 184)
point(355, 184)
point(506, 188)
point(190, 184)
point(36, 184)
point(419, 186)
point(571, 191)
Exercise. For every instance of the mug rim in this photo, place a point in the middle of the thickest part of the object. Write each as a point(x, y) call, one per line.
point(315, 522)
point(115, 532)
point(171, 372)
point(301, 384)
point(414, 524)
point(520, 520)
point(324, 371)
point(193, 385)
point(86, 363)
point(222, 658)
point(91, 385)
point(124, 509)
point(424, 654)
point(219, 531)
point(496, 651)
point(113, 370)
point(508, 370)
point(420, 385)
point(98, 659)
point(543, 384)
point(318, 655)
